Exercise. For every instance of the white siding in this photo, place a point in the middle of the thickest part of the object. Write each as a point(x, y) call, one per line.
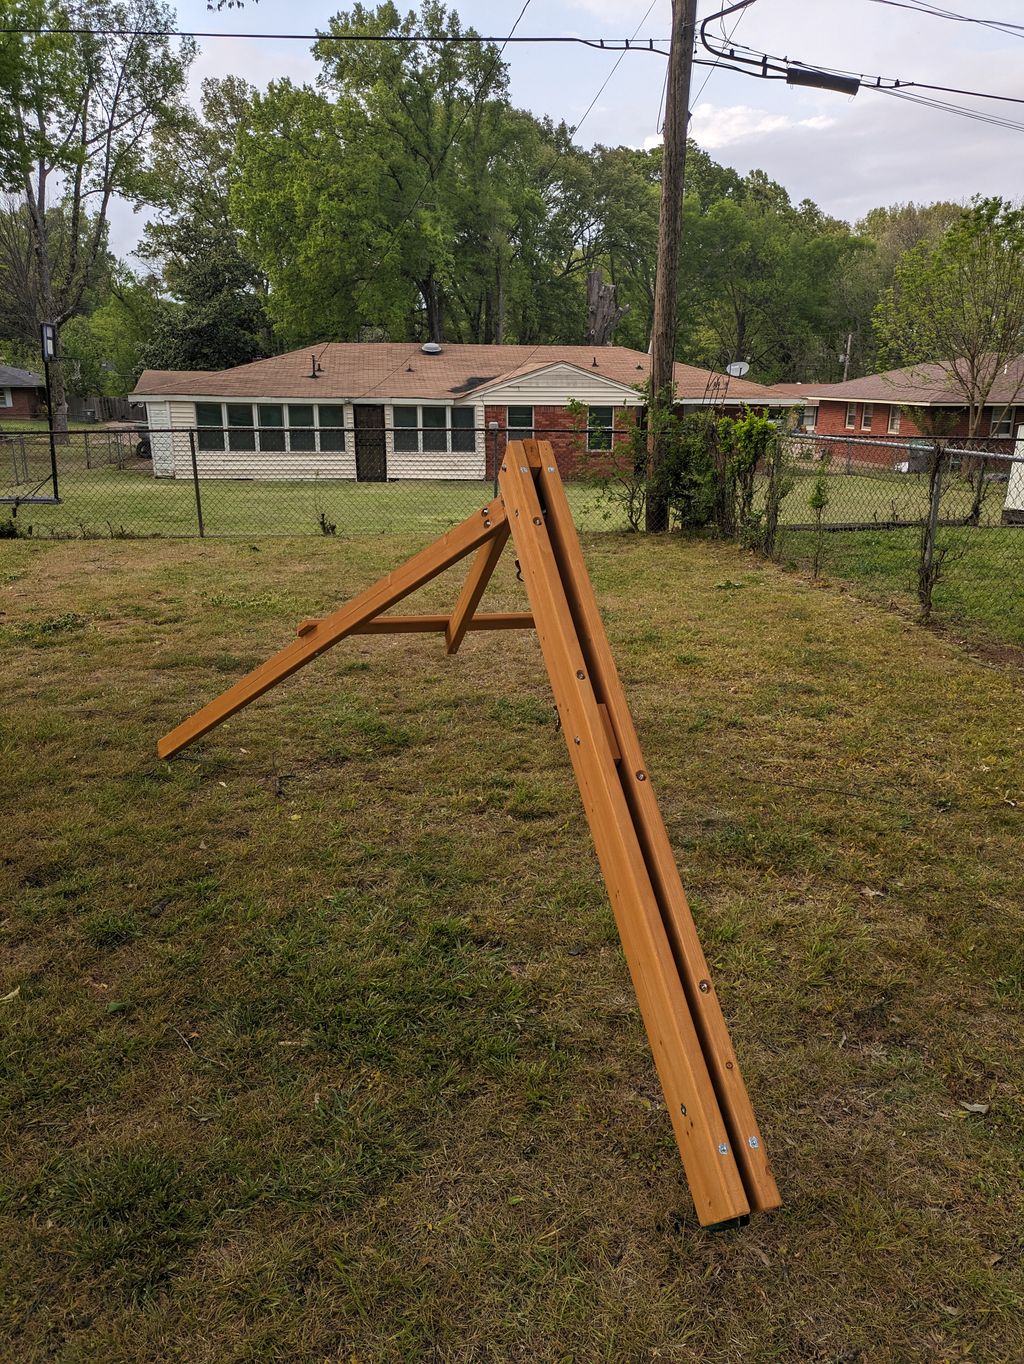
point(556, 385)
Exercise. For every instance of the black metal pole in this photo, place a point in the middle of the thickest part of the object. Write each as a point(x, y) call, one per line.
point(195, 482)
point(49, 423)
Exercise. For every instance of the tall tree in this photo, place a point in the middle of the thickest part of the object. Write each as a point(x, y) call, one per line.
point(961, 300)
point(85, 104)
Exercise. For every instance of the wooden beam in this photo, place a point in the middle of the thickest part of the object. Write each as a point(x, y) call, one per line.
point(704, 1141)
point(473, 589)
point(425, 625)
point(420, 569)
point(734, 1101)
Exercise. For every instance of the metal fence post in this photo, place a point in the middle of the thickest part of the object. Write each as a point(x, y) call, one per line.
point(87, 464)
point(195, 482)
point(928, 570)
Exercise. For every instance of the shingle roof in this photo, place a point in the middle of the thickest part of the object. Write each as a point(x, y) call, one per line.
point(383, 370)
point(932, 384)
point(18, 378)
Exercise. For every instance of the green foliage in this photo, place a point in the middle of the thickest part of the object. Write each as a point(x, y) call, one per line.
point(960, 299)
point(220, 320)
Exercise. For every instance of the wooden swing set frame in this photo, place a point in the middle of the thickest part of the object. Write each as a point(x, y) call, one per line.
point(722, 1150)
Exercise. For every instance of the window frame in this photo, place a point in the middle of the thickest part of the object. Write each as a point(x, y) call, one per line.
point(850, 424)
point(893, 424)
point(519, 430)
point(221, 432)
point(6, 397)
point(592, 426)
point(460, 436)
point(867, 416)
point(1008, 421)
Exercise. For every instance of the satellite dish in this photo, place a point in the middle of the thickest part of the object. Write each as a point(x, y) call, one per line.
point(737, 369)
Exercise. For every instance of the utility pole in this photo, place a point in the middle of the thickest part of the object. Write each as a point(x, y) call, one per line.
point(670, 231)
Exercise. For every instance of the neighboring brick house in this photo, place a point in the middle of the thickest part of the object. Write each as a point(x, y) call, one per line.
point(21, 393)
point(902, 405)
point(388, 410)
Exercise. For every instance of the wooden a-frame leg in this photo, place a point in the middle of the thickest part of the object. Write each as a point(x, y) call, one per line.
point(704, 1141)
point(473, 589)
point(734, 1101)
point(319, 636)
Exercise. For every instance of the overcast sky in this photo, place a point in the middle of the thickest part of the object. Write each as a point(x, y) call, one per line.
point(847, 154)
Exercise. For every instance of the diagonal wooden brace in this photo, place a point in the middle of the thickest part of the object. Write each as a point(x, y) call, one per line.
point(421, 568)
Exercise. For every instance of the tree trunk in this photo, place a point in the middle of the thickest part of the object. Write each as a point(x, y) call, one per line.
point(432, 305)
point(603, 316)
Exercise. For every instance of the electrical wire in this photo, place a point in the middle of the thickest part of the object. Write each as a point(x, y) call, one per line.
point(601, 44)
point(615, 68)
point(936, 12)
point(725, 39)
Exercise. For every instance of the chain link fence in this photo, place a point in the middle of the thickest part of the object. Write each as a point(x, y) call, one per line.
point(138, 482)
point(941, 522)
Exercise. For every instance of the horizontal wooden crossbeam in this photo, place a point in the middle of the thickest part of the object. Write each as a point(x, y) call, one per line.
point(425, 625)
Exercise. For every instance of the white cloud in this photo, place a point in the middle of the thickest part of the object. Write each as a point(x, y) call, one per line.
point(714, 126)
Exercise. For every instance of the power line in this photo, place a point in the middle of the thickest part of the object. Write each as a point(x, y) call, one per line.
point(725, 39)
point(602, 44)
point(935, 11)
point(615, 68)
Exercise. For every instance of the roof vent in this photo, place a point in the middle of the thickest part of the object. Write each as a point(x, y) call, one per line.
point(430, 348)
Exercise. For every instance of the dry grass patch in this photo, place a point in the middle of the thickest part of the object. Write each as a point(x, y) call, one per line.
point(323, 1046)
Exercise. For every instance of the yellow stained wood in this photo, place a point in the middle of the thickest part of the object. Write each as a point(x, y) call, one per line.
point(473, 589)
point(420, 569)
point(705, 1009)
point(425, 625)
point(703, 1139)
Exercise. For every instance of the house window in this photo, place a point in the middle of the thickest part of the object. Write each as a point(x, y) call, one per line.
point(210, 416)
point(1001, 423)
point(433, 430)
point(6, 400)
point(271, 428)
point(332, 427)
point(301, 428)
point(519, 423)
point(270, 417)
point(809, 419)
point(851, 416)
point(866, 413)
point(894, 420)
point(599, 428)
point(463, 434)
point(241, 435)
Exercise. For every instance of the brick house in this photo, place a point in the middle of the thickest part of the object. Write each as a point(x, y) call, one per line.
point(902, 405)
point(389, 410)
point(21, 393)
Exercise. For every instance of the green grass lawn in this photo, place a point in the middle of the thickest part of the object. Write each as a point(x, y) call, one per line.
point(318, 1043)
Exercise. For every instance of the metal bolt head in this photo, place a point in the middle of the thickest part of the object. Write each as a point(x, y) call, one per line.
point(723, 1150)
point(580, 674)
point(753, 1143)
point(682, 1109)
point(536, 521)
point(551, 468)
point(704, 987)
point(576, 739)
point(523, 469)
point(641, 776)
point(487, 522)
